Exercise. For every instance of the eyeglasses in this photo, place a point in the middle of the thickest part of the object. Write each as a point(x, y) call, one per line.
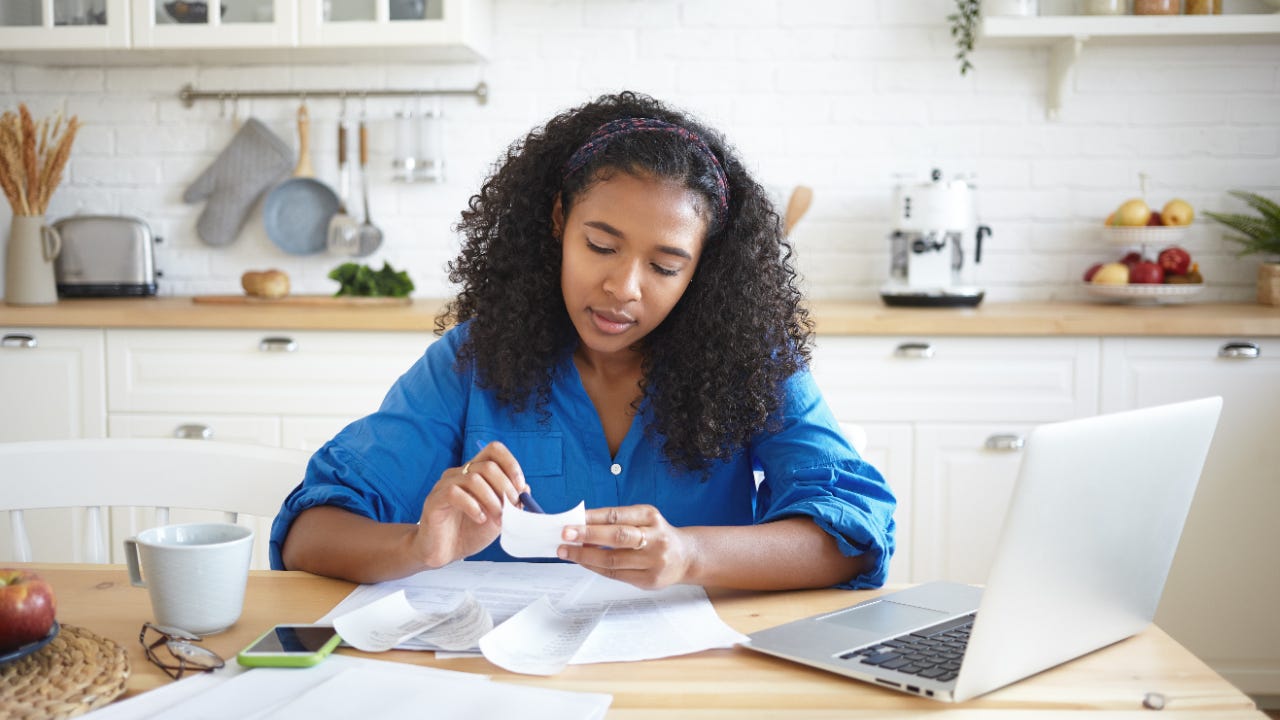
point(175, 651)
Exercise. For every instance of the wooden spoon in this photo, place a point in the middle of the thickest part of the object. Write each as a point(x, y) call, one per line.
point(304, 141)
point(797, 206)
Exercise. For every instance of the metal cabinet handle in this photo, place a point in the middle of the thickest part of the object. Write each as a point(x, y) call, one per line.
point(922, 350)
point(278, 344)
point(1240, 351)
point(19, 340)
point(1005, 442)
point(193, 431)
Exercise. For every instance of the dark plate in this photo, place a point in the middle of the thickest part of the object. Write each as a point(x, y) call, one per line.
point(31, 647)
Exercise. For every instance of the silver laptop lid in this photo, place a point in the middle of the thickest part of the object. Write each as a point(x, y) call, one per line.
point(1088, 539)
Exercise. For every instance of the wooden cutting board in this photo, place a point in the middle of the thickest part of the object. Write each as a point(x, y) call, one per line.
point(303, 301)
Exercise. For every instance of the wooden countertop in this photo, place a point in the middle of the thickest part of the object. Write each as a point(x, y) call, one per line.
point(831, 317)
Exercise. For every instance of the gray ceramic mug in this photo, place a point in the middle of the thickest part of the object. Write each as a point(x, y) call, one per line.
point(195, 573)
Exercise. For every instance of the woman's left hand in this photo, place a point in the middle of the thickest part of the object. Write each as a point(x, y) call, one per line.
point(634, 544)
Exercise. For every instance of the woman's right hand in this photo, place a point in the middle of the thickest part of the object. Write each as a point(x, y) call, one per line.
point(462, 514)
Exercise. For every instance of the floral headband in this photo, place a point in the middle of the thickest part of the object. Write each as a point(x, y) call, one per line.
point(612, 130)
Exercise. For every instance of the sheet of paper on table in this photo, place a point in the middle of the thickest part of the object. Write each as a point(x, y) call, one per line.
point(349, 687)
point(548, 615)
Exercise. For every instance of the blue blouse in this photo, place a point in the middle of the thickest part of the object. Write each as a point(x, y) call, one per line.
point(434, 417)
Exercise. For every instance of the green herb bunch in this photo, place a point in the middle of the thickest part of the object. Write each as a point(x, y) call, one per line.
point(1258, 233)
point(363, 281)
point(964, 27)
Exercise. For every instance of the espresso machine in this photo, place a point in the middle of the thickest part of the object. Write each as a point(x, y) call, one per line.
point(936, 225)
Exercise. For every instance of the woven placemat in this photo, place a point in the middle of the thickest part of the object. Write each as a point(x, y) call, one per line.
point(75, 673)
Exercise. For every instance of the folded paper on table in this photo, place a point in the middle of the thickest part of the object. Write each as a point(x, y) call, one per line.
point(536, 535)
point(385, 623)
point(547, 615)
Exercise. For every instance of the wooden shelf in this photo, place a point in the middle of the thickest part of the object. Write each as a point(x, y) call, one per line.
point(1066, 36)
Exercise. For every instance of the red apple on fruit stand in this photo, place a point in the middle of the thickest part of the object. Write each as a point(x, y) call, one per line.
point(1146, 272)
point(1131, 258)
point(1174, 260)
point(1093, 270)
point(27, 608)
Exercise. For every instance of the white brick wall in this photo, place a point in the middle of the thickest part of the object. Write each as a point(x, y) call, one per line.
point(840, 95)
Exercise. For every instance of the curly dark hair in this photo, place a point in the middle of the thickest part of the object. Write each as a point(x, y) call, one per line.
point(714, 369)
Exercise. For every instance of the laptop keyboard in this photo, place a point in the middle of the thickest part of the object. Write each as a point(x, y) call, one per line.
point(933, 652)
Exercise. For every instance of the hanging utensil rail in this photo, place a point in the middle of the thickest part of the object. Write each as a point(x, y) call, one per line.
point(189, 95)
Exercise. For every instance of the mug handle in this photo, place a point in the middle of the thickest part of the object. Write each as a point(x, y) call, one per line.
point(131, 559)
point(50, 242)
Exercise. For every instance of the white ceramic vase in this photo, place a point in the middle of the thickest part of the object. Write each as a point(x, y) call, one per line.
point(28, 268)
point(1016, 8)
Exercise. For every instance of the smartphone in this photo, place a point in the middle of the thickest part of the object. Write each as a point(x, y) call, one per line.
point(290, 646)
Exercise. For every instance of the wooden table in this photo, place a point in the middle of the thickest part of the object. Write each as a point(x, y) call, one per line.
point(736, 683)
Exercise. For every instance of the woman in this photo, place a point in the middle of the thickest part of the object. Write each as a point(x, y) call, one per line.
point(628, 333)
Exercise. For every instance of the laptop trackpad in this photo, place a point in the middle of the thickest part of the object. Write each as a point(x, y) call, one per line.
point(885, 616)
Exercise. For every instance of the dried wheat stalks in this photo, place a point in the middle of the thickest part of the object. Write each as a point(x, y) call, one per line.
point(32, 158)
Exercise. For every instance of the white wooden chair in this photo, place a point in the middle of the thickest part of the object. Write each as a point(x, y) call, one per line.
point(91, 477)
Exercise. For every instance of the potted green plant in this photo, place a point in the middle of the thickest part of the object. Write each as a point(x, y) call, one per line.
point(1258, 234)
point(964, 29)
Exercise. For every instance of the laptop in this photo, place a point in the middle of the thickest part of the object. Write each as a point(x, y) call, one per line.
point(1086, 546)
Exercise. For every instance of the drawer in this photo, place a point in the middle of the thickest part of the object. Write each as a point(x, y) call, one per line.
point(240, 371)
point(248, 429)
point(958, 379)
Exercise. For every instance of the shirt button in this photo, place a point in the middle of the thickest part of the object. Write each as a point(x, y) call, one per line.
point(616, 469)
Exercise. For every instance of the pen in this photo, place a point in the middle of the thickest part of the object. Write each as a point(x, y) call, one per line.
point(526, 500)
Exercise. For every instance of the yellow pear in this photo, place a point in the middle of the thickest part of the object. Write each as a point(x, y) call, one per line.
point(1134, 212)
point(1177, 212)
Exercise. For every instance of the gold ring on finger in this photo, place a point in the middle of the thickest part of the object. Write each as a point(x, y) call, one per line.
point(466, 469)
point(643, 540)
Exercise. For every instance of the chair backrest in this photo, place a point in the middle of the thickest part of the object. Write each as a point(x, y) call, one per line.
point(235, 479)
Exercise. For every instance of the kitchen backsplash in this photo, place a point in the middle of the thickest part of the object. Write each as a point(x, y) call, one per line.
point(843, 96)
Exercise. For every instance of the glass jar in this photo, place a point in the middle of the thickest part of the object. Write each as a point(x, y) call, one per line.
point(1155, 7)
point(1105, 7)
point(1202, 7)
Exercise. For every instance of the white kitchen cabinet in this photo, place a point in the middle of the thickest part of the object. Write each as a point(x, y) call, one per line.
point(956, 408)
point(64, 24)
point(390, 23)
point(258, 30)
point(51, 388)
point(964, 481)
point(242, 24)
point(295, 389)
point(52, 384)
point(1221, 595)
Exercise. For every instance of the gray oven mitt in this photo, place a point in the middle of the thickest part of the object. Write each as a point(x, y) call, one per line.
point(253, 161)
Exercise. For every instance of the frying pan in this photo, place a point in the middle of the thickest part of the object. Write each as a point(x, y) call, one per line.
point(297, 211)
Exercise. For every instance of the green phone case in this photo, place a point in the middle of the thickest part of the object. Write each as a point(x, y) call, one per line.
point(294, 660)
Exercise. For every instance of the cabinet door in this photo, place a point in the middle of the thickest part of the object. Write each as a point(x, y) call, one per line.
point(889, 450)
point(459, 24)
point(1225, 561)
point(51, 384)
point(64, 24)
point(964, 481)
point(958, 379)
point(241, 24)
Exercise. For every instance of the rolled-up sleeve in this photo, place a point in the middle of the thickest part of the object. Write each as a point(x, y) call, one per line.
point(810, 469)
point(382, 466)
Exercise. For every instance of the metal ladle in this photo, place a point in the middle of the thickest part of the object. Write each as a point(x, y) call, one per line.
point(370, 235)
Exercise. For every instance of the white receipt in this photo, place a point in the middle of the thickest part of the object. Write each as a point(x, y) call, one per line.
point(540, 639)
point(535, 535)
point(389, 621)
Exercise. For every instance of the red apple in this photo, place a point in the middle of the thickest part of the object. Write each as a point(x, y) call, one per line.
point(1155, 218)
point(1093, 270)
point(27, 608)
point(1174, 260)
point(1146, 272)
point(1131, 258)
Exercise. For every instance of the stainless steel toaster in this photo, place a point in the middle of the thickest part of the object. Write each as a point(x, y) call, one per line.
point(105, 256)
